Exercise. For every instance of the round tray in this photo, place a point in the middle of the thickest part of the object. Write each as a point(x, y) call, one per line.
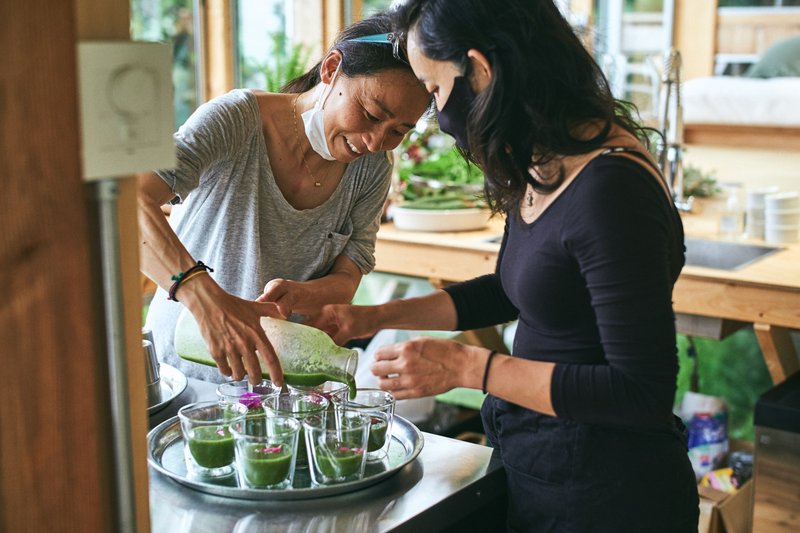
point(173, 383)
point(165, 454)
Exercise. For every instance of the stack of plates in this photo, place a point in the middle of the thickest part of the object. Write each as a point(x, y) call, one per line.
point(782, 217)
point(755, 211)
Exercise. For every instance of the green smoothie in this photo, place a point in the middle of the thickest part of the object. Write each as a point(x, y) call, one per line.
point(212, 446)
point(377, 433)
point(312, 380)
point(339, 463)
point(266, 465)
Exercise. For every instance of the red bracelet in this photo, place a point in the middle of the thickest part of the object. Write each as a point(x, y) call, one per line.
point(180, 277)
point(486, 370)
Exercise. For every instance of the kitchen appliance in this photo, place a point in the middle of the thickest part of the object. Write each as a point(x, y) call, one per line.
point(777, 458)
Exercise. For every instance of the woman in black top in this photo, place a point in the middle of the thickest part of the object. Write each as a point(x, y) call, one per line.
point(581, 412)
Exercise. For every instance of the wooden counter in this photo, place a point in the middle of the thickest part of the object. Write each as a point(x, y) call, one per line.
point(765, 293)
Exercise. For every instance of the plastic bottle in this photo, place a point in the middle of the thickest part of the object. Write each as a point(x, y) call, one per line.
point(731, 220)
point(708, 443)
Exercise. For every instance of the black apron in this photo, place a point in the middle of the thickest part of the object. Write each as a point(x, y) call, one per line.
point(567, 476)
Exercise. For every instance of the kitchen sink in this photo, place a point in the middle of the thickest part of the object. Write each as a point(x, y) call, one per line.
point(724, 255)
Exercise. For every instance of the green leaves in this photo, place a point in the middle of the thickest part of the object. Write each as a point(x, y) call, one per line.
point(434, 175)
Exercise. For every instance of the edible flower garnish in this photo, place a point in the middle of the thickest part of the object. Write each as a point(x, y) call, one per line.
point(251, 400)
point(354, 450)
point(272, 449)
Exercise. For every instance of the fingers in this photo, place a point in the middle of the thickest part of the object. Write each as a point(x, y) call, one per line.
point(266, 353)
point(222, 364)
point(403, 387)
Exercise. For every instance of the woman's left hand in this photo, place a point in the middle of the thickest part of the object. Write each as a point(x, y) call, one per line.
point(425, 367)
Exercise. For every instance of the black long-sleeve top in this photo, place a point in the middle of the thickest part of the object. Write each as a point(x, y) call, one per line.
point(591, 283)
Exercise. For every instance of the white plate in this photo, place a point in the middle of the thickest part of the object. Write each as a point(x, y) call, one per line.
point(439, 219)
point(173, 383)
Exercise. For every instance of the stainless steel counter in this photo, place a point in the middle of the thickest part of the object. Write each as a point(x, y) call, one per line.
point(446, 485)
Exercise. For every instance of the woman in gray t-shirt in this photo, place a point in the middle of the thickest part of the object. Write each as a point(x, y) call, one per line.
point(281, 194)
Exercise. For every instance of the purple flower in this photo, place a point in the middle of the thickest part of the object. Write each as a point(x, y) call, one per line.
point(251, 400)
point(272, 449)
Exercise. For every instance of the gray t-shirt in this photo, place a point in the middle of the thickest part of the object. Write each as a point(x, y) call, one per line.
point(233, 217)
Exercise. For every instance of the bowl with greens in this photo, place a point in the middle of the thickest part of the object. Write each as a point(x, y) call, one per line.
point(439, 190)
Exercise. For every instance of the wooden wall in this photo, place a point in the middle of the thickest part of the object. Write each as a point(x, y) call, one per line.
point(742, 32)
point(55, 444)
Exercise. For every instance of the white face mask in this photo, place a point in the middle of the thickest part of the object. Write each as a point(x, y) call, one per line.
point(314, 122)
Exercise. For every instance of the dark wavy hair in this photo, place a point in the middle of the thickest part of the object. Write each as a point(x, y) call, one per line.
point(544, 84)
point(358, 58)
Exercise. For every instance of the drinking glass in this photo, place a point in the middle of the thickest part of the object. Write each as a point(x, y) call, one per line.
point(337, 454)
point(379, 405)
point(297, 404)
point(266, 453)
point(208, 443)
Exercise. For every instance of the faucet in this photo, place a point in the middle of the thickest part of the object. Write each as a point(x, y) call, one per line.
point(670, 153)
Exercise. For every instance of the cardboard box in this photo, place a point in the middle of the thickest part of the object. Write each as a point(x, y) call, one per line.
point(721, 512)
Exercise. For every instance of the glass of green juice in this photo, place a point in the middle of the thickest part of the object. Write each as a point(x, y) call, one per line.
point(266, 453)
point(379, 405)
point(298, 405)
point(337, 454)
point(208, 442)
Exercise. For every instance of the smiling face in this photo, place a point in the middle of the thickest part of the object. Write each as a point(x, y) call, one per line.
point(371, 113)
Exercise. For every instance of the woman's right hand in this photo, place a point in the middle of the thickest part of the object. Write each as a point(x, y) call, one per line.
point(231, 328)
point(344, 321)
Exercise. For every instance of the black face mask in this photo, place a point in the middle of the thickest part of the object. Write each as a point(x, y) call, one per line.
point(453, 116)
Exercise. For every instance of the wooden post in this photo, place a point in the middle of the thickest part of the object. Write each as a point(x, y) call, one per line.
point(219, 46)
point(332, 21)
point(55, 446)
point(779, 352)
point(694, 35)
point(110, 19)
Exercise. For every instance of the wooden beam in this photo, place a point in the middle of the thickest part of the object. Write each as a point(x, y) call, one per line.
point(219, 45)
point(110, 19)
point(778, 349)
point(332, 21)
point(55, 446)
point(694, 35)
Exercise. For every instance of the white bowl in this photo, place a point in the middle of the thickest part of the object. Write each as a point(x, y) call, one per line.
point(783, 200)
point(782, 217)
point(781, 234)
point(755, 197)
point(439, 219)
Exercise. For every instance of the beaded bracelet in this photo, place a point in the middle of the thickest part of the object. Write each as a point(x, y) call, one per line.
point(486, 370)
point(181, 277)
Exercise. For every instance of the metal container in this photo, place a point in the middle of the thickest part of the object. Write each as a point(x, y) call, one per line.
point(777, 458)
point(152, 373)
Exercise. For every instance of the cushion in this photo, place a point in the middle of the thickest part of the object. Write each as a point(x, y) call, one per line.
point(781, 60)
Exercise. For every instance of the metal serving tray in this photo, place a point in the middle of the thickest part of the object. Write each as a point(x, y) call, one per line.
point(165, 454)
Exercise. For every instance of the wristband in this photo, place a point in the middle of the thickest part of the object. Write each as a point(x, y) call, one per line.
point(486, 370)
point(181, 277)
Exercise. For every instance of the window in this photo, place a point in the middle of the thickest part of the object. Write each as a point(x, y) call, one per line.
point(172, 21)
